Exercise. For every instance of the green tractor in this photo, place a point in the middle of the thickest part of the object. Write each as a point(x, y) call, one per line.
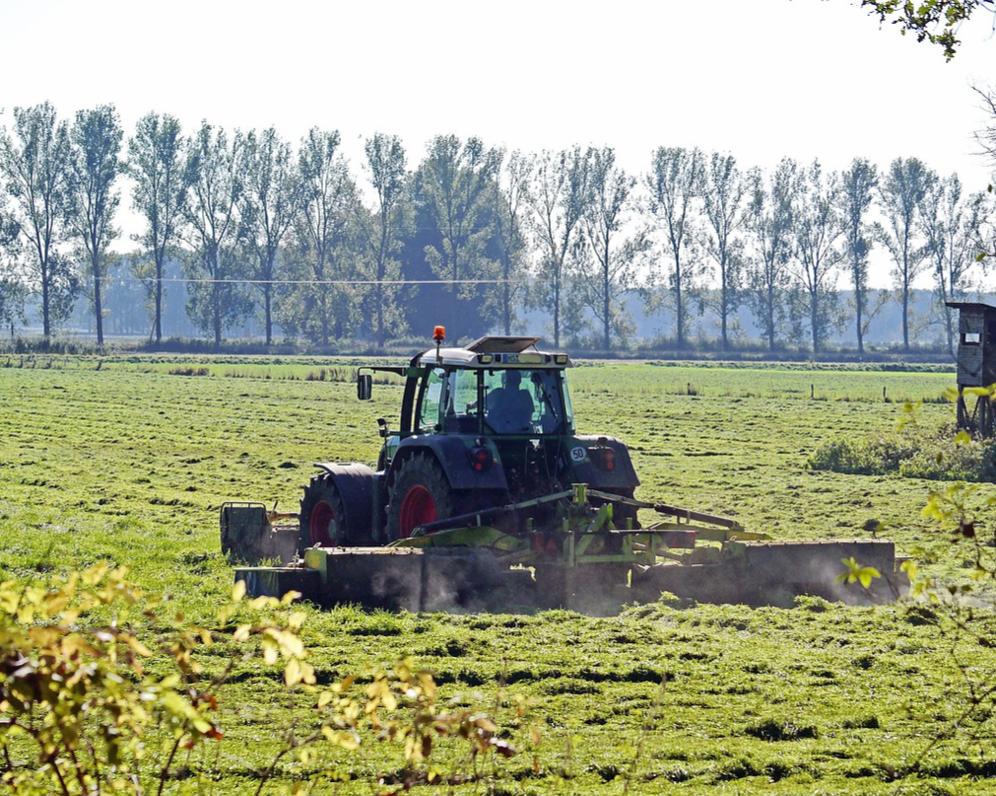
point(486, 498)
point(481, 427)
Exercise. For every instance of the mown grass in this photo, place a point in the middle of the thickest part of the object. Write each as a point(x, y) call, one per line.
point(129, 463)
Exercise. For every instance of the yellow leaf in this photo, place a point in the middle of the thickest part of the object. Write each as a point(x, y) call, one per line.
point(343, 738)
point(292, 672)
point(867, 574)
point(289, 597)
point(296, 619)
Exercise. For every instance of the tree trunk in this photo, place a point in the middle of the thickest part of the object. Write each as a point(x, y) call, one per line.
point(97, 308)
point(906, 317)
point(268, 312)
point(723, 307)
point(556, 310)
point(159, 298)
point(606, 304)
point(949, 329)
point(507, 299)
point(859, 300)
point(947, 292)
point(678, 304)
point(380, 310)
point(46, 320)
point(814, 313)
point(216, 314)
point(771, 317)
point(325, 317)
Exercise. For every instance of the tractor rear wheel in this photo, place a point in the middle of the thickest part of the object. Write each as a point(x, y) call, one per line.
point(420, 495)
point(323, 517)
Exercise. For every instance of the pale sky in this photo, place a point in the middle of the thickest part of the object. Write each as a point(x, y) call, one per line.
point(760, 79)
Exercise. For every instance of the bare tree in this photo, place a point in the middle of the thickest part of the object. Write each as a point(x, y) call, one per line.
point(817, 230)
point(725, 197)
point(900, 194)
point(94, 168)
point(388, 169)
point(215, 168)
point(511, 196)
point(675, 183)
point(950, 225)
point(156, 164)
point(857, 186)
point(608, 270)
point(268, 205)
point(328, 200)
point(770, 220)
point(986, 137)
point(558, 199)
point(34, 164)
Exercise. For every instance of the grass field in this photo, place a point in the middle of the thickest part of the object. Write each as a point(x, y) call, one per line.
point(123, 460)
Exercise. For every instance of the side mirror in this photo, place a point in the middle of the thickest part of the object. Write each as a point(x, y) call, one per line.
point(382, 428)
point(364, 386)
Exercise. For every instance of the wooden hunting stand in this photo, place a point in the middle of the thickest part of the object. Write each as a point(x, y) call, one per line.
point(976, 364)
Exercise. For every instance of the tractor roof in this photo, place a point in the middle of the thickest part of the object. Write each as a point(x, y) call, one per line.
point(496, 352)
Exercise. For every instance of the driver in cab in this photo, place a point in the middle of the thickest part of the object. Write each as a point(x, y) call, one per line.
point(510, 408)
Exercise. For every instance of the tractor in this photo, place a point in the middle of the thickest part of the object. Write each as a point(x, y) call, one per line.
point(481, 427)
point(486, 498)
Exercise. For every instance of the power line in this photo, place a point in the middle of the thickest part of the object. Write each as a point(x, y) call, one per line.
point(210, 281)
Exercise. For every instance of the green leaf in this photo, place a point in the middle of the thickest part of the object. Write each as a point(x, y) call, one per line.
point(855, 573)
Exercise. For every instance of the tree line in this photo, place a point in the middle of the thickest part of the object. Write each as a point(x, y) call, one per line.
point(469, 236)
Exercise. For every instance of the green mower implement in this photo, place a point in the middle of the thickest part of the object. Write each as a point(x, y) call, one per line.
point(485, 498)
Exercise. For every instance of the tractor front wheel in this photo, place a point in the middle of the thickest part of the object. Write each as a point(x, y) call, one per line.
point(323, 519)
point(420, 495)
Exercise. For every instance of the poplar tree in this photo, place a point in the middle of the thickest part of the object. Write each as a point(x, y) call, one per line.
point(93, 171)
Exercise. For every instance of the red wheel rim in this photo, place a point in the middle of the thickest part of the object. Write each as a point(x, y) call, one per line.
point(418, 507)
point(320, 524)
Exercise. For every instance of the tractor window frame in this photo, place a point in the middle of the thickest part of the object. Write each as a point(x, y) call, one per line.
point(559, 394)
point(452, 420)
point(418, 427)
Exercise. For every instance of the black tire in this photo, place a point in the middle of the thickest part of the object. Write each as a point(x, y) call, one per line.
point(418, 484)
point(323, 518)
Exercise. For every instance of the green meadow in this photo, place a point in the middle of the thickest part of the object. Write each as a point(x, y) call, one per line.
point(127, 459)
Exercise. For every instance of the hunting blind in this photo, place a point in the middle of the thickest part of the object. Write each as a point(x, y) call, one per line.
point(976, 364)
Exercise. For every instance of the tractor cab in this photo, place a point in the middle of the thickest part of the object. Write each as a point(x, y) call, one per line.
point(481, 426)
point(494, 386)
point(504, 398)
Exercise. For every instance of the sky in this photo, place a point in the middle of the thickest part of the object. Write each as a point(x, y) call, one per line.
point(760, 79)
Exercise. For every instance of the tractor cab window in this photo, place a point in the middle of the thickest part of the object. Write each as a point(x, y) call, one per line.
point(523, 401)
point(460, 414)
point(431, 401)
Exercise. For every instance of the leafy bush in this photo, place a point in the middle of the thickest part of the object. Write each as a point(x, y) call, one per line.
point(80, 713)
point(870, 456)
point(911, 452)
